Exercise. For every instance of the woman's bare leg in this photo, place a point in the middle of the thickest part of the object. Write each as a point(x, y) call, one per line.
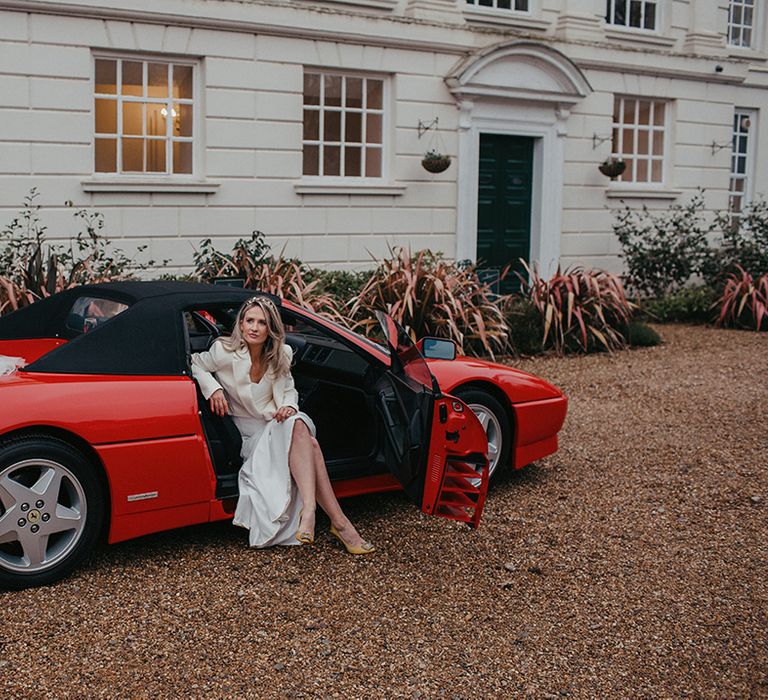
point(327, 499)
point(301, 461)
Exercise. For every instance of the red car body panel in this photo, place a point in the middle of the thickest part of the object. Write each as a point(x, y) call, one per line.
point(31, 349)
point(538, 408)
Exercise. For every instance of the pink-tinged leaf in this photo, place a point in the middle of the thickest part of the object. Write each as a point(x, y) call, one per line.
point(744, 299)
point(548, 320)
point(582, 326)
point(600, 337)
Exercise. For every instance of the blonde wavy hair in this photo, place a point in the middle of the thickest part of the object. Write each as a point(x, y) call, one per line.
point(277, 361)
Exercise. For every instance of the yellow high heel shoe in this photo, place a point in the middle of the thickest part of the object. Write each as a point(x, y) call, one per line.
point(364, 548)
point(304, 536)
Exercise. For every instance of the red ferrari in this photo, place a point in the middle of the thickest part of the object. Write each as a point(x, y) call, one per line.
point(103, 430)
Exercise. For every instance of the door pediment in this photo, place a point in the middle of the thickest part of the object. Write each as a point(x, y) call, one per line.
point(522, 70)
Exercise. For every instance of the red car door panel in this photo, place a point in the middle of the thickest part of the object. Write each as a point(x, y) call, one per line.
point(436, 444)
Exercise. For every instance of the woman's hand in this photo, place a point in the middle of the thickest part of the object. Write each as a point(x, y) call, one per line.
point(219, 404)
point(284, 412)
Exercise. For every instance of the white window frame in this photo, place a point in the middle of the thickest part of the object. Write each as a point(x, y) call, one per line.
point(194, 101)
point(386, 109)
point(754, 27)
point(610, 15)
point(494, 6)
point(617, 133)
point(748, 154)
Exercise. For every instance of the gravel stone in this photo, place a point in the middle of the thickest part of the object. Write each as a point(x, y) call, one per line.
point(631, 603)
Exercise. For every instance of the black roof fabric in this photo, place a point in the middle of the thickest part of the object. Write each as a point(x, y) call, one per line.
point(145, 339)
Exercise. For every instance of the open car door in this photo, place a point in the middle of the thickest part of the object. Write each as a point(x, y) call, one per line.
point(434, 444)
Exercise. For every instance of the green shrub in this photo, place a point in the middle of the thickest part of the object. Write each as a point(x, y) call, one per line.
point(581, 310)
point(342, 284)
point(641, 335)
point(526, 326)
point(744, 301)
point(247, 254)
point(663, 250)
point(430, 296)
point(689, 305)
point(32, 268)
point(744, 244)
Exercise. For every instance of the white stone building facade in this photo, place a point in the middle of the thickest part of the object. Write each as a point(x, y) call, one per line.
point(186, 119)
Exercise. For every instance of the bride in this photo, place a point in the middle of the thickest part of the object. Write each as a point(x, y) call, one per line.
point(248, 375)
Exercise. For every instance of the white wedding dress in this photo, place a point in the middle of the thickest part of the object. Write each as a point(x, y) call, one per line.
point(269, 505)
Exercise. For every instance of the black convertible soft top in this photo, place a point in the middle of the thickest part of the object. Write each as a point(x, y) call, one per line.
point(145, 339)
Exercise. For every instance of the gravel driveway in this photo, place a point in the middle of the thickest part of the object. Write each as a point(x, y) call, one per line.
point(630, 564)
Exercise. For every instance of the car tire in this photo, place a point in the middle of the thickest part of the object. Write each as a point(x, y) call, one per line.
point(51, 510)
point(495, 420)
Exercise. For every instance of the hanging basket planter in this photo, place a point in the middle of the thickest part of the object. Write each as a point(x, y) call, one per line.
point(612, 167)
point(435, 162)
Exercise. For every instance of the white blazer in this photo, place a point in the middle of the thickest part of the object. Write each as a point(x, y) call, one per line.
point(218, 368)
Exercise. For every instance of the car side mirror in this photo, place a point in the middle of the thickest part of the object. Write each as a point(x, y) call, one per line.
point(438, 348)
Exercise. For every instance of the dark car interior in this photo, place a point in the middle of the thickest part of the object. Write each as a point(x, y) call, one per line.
point(336, 386)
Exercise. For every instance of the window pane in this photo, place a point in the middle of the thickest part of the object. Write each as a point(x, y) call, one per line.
point(373, 162)
point(133, 155)
point(656, 171)
point(333, 90)
point(156, 122)
point(650, 16)
point(132, 78)
point(627, 175)
point(133, 118)
point(182, 121)
point(642, 170)
point(635, 11)
point(628, 143)
point(157, 79)
point(629, 111)
point(106, 155)
point(311, 89)
point(106, 76)
point(658, 114)
point(353, 129)
point(332, 127)
point(311, 125)
point(521, 5)
point(642, 142)
point(375, 91)
point(106, 116)
point(352, 158)
point(182, 82)
point(620, 15)
point(332, 160)
point(373, 128)
point(354, 93)
point(644, 112)
point(503, 4)
point(156, 155)
point(182, 157)
point(311, 160)
point(658, 143)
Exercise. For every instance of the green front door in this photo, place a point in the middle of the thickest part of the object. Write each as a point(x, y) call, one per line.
point(504, 206)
